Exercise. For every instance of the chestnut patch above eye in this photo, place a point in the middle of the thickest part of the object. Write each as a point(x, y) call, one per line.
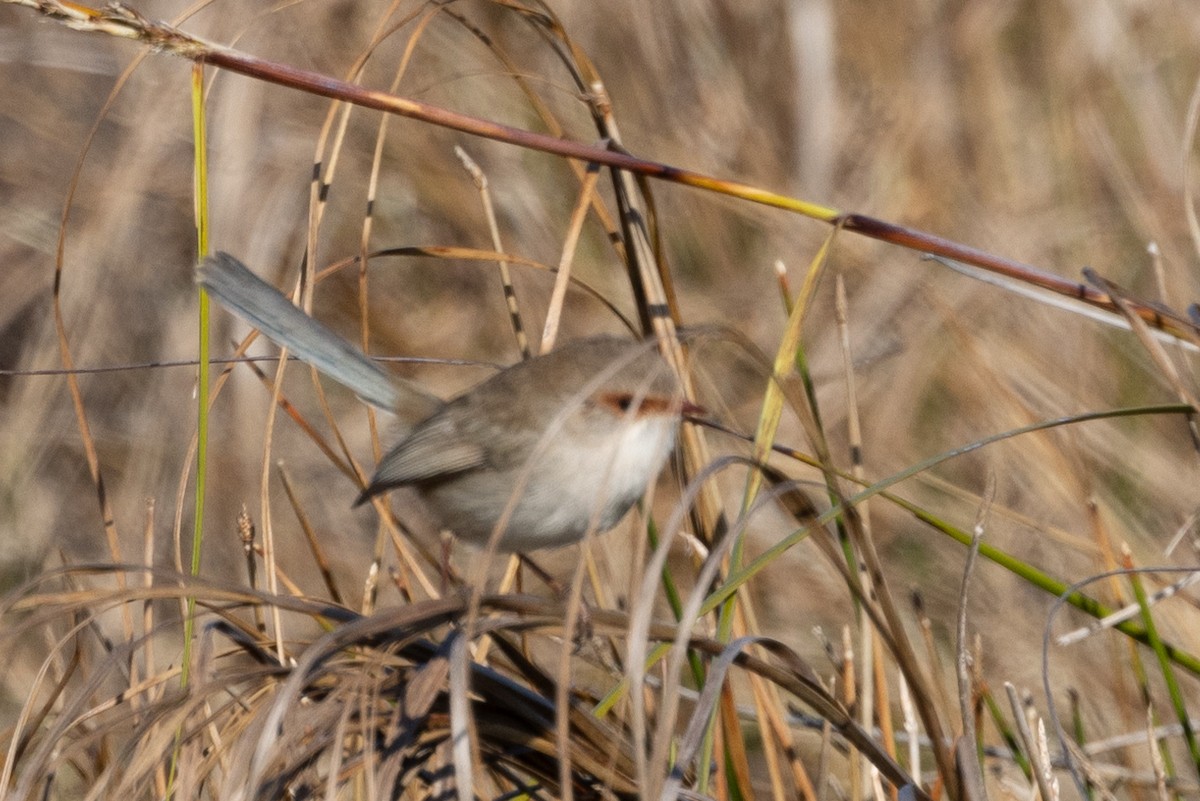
point(625, 402)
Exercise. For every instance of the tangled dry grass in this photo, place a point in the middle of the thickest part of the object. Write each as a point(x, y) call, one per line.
point(725, 643)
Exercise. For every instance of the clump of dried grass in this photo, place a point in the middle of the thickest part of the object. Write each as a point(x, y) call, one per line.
point(413, 701)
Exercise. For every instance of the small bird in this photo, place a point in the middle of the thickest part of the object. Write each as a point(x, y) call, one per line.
point(549, 448)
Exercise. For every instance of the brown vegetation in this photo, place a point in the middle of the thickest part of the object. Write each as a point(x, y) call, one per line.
point(1055, 133)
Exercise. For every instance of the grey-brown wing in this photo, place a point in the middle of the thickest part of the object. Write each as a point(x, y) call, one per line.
point(434, 449)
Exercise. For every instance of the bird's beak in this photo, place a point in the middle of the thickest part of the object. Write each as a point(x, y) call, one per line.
point(691, 410)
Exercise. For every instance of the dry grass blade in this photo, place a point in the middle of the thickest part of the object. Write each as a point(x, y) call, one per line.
point(125, 22)
point(1142, 330)
point(563, 275)
point(479, 177)
point(1022, 712)
point(373, 685)
point(967, 759)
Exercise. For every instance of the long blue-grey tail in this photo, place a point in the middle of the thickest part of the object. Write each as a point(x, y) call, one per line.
point(264, 307)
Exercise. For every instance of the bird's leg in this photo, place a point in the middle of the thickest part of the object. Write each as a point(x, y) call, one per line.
point(583, 625)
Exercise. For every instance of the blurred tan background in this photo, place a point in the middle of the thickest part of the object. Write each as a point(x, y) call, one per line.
point(1049, 132)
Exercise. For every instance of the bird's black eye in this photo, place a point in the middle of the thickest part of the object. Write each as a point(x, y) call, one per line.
point(617, 402)
point(635, 404)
